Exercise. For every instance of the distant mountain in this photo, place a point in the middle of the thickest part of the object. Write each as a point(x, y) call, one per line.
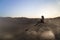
point(57, 17)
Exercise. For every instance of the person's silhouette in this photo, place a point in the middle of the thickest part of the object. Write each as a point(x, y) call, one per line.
point(41, 21)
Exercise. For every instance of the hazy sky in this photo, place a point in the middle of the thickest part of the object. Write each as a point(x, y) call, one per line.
point(29, 8)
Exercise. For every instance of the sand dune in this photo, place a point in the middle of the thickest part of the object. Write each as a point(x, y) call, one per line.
point(25, 29)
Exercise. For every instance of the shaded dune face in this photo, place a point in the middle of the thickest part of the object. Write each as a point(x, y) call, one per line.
point(32, 34)
point(46, 35)
point(7, 36)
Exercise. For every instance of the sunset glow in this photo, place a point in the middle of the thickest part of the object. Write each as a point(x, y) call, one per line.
point(30, 8)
